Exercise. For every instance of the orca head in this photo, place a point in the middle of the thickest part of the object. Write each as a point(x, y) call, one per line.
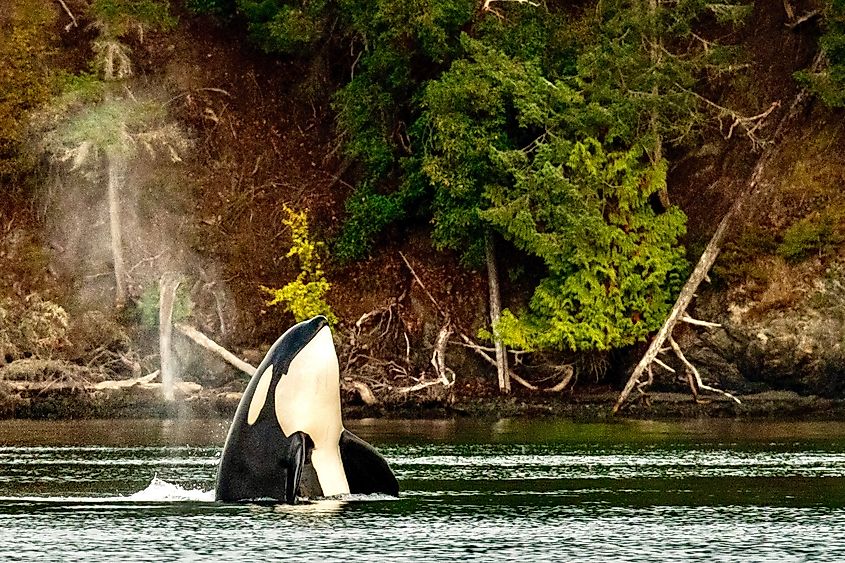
point(308, 348)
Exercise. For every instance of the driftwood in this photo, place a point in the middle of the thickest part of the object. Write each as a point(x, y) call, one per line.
point(146, 382)
point(711, 252)
point(364, 391)
point(212, 346)
point(125, 383)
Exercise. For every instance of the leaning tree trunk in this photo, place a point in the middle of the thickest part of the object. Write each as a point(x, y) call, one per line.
point(711, 252)
point(495, 313)
point(116, 165)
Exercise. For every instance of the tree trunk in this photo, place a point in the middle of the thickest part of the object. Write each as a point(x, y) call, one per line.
point(656, 52)
point(687, 293)
point(116, 166)
point(167, 296)
point(495, 313)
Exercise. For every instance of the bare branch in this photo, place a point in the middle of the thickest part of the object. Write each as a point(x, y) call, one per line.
point(73, 22)
point(567, 378)
point(422, 285)
point(689, 320)
point(659, 362)
point(486, 7)
point(750, 124)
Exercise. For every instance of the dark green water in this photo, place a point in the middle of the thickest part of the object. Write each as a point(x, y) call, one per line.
point(481, 490)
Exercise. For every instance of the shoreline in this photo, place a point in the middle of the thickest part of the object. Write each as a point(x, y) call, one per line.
point(584, 406)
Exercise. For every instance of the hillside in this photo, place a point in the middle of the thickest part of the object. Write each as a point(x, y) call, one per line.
point(233, 131)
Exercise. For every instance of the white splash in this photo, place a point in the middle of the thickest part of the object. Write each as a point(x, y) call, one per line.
point(160, 490)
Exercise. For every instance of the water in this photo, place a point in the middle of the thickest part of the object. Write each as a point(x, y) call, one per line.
point(479, 490)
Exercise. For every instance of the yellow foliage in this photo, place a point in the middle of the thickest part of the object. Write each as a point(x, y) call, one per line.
point(305, 296)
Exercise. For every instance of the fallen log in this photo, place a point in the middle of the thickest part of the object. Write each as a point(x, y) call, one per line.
point(210, 345)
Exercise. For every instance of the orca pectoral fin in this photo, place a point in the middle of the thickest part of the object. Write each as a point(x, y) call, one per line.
point(366, 470)
point(297, 453)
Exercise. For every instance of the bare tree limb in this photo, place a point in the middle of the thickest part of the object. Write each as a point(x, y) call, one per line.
point(689, 320)
point(663, 365)
point(438, 357)
point(364, 391)
point(790, 13)
point(711, 252)
point(567, 378)
point(486, 7)
point(422, 285)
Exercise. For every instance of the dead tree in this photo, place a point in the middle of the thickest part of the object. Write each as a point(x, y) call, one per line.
point(708, 257)
point(495, 313)
point(168, 285)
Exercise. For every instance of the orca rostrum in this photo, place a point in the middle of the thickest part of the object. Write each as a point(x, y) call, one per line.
point(287, 438)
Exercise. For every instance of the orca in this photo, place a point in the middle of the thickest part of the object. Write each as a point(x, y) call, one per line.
point(287, 438)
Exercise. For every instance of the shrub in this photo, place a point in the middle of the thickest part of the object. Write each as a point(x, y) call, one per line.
point(305, 296)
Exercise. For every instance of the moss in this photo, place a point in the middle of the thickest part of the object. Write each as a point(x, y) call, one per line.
point(818, 234)
point(737, 262)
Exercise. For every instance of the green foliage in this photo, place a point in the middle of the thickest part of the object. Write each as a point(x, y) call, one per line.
point(305, 296)
point(120, 16)
point(278, 26)
point(25, 80)
point(483, 105)
point(118, 126)
point(220, 8)
point(406, 46)
point(829, 83)
point(510, 150)
point(369, 214)
point(643, 65)
point(817, 234)
point(614, 264)
point(148, 305)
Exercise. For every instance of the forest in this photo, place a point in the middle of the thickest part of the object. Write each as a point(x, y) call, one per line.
point(497, 204)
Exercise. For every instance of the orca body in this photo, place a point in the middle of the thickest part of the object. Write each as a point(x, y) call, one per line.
point(287, 438)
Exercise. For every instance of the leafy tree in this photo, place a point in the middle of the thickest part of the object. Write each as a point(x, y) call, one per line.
point(515, 152)
point(92, 127)
point(108, 135)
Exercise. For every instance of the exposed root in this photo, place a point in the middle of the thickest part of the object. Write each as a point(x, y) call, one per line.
point(691, 369)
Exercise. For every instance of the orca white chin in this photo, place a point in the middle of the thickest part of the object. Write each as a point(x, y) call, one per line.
point(307, 400)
